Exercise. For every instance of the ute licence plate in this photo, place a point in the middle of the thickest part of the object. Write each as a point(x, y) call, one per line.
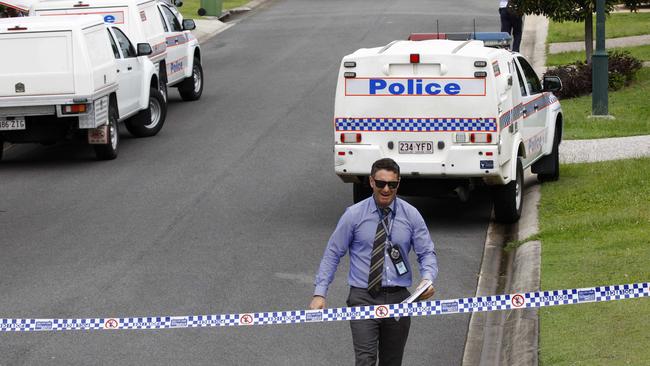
point(12, 123)
point(416, 147)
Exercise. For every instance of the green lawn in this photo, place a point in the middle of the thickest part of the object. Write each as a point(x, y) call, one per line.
point(617, 25)
point(190, 7)
point(595, 230)
point(629, 106)
point(565, 58)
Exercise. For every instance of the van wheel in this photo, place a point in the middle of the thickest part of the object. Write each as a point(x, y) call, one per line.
point(2, 148)
point(148, 122)
point(550, 163)
point(509, 199)
point(191, 88)
point(361, 191)
point(109, 151)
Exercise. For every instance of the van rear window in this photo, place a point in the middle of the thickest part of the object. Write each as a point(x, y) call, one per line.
point(47, 52)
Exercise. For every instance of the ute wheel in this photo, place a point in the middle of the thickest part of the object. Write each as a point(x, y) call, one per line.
point(509, 199)
point(108, 151)
point(192, 87)
point(361, 191)
point(551, 162)
point(148, 122)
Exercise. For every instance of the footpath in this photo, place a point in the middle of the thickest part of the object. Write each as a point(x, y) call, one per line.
point(512, 337)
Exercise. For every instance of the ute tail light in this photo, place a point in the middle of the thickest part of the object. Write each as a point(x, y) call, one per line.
point(74, 109)
point(350, 138)
point(480, 138)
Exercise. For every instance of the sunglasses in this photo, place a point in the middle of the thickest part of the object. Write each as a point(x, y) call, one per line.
point(382, 183)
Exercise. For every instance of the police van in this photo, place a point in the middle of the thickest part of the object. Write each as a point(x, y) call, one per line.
point(72, 77)
point(176, 52)
point(451, 113)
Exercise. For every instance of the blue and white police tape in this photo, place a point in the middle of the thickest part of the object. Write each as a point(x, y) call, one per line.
point(425, 308)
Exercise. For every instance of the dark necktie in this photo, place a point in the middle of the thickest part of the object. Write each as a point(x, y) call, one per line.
point(377, 256)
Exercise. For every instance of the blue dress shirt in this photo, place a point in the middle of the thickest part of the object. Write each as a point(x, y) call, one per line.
point(355, 233)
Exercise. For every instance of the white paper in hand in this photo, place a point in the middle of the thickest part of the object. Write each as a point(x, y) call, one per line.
point(419, 291)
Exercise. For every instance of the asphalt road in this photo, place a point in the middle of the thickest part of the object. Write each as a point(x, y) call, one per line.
point(227, 210)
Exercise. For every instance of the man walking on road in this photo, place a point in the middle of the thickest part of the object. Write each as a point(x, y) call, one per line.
point(511, 23)
point(379, 232)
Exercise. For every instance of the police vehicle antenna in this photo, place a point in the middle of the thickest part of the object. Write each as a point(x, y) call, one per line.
point(438, 28)
point(474, 28)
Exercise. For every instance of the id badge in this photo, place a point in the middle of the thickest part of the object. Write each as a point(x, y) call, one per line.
point(396, 257)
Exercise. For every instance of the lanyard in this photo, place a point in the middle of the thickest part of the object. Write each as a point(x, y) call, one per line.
point(388, 229)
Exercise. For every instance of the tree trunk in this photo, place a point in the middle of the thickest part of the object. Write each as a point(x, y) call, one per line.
point(589, 34)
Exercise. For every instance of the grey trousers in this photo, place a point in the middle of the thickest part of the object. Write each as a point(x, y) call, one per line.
point(384, 336)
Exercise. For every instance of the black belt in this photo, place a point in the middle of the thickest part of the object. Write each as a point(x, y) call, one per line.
point(387, 290)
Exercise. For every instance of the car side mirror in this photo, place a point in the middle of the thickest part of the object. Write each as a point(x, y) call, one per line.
point(551, 84)
point(188, 24)
point(178, 3)
point(144, 49)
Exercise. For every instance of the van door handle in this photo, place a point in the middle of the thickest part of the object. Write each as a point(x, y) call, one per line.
point(129, 68)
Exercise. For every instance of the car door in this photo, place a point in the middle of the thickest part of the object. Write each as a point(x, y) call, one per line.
point(129, 73)
point(534, 111)
point(176, 40)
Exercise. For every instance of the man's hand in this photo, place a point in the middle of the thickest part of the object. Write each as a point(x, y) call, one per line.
point(317, 302)
point(426, 294)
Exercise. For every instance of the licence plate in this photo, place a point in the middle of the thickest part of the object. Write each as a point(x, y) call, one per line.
point(416, 147)
point(12, 123)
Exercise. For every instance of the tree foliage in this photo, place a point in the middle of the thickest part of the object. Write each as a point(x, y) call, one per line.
point(573, 11)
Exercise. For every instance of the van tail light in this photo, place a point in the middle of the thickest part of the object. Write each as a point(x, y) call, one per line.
point(350, 138)
point(74, 109)
point(480, 138)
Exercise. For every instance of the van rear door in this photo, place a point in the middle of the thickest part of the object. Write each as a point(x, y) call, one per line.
point(38, 63)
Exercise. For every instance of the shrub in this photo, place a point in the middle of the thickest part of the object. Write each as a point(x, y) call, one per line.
point(576, 77)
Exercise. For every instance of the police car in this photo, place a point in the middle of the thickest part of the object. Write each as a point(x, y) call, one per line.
point(69, 77)
point(176, 52)
point(453, 112)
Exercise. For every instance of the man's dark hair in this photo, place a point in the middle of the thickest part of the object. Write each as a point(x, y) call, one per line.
point(385, 164)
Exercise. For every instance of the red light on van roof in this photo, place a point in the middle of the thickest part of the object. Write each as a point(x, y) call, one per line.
point(415, 58)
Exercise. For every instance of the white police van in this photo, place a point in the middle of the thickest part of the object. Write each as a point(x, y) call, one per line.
point(72, 77)
point(451, 113)
point(176, 52)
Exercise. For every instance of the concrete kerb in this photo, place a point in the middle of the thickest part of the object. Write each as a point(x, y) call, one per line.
point(211, 26)
point(511, 337)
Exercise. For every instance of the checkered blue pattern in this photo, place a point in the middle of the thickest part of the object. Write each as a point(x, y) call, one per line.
point(551, 298)
point(222, 320)
point(424, 308)
point(620, 292)
point(280, 317)
point(349, 313)
point(484, 303)
point(416, 124)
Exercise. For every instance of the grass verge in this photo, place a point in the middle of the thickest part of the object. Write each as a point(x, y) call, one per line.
point(565, 58)
point(629, 106)
point(595, 230)
point(190, 7)
point(616, 25)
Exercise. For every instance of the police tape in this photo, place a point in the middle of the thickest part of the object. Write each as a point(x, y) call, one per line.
point(425, 308)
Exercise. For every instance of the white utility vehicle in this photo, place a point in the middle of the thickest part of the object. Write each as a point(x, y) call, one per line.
point(176, 52)
point(73, 77)
point(451, 113)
